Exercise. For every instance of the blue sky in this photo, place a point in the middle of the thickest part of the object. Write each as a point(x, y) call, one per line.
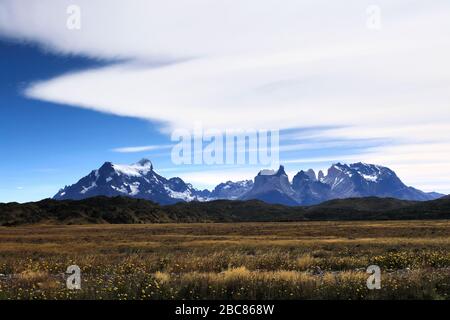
point(47, 145)
point(70, 99)
point(44, 145)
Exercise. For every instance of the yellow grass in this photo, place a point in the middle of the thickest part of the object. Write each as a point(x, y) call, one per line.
point(305, 260)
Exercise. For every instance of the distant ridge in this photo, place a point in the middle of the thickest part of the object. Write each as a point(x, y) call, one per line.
point(125, 210)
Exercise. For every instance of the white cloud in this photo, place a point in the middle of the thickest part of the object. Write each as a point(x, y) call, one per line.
point(211, 178)
point(260, 64)
point(141, 148)
point(190, 28)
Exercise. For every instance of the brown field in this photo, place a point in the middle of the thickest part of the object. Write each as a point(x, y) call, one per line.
point(305, 260)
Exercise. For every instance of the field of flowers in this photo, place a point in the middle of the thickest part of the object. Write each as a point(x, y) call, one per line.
point(307, 260)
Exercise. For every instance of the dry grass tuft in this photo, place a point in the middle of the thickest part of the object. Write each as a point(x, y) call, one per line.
point(29, 277)
point(308, 260)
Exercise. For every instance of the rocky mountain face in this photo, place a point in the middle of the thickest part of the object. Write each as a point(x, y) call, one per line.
point(272, 187)
point(139, 180)
point(231, 190)
point(342, 181)
point(308, 189)
point(363, 180)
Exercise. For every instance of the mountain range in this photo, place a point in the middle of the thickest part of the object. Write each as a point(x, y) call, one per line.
point(342, 181)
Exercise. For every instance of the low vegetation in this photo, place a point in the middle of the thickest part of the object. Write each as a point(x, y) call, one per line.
point(122, 210)
point(295, 260)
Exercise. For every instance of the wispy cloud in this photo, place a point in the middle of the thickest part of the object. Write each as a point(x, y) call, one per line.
point(334, 159)
point(141, 148)
point(295, 65)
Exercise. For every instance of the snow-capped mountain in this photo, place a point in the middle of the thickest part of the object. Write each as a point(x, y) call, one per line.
point(363, 180)
point(138, 180)
point(231, 190)
point(342, 181)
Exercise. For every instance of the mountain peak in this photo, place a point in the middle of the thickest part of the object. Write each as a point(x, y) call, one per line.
point(281, 171)
point(306, 175)
point(302, 175)
point(106, 168)
point(138, 180)
point(270, 172)
point(320, 176)
point(311, 174)
point(145, 163)
point(266, 172)
point(339, 165)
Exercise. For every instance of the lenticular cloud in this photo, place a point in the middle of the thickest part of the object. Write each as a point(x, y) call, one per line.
point(258, 64)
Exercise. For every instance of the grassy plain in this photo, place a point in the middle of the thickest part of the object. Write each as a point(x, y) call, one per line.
point(304, 260)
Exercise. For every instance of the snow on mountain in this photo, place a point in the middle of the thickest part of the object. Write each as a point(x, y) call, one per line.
point(267, 172)
point(139, 180)
point(364, 180)
point(341, 181)
point(231, 190)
